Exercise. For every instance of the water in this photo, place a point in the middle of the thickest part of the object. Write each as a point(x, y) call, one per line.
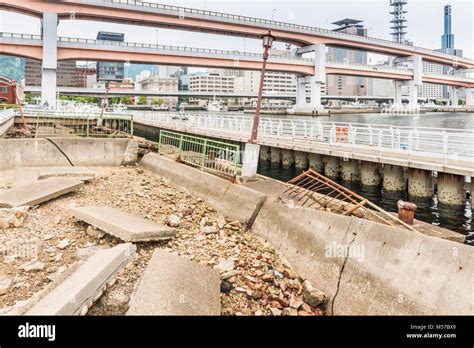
point(455, 219)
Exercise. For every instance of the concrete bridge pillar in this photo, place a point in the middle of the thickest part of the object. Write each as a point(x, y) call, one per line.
point(264, 153)
point(420, 183)
point(50, 58)
point(316, 162)
point(412, 93)
point(331, 167)
point(350, 170)
point(451, 189)
point(393, 178)
point(287, 158)
point(301, 160)
point(470, 97)
point(301, 93)
point(370, 174)
point(397, 99)
point(472, 193)
point(454, 96)
point(275, 155)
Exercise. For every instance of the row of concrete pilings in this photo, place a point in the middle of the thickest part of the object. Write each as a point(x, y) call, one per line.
point(450, 187)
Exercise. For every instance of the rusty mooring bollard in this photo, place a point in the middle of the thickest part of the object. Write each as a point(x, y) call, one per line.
point(406, 211)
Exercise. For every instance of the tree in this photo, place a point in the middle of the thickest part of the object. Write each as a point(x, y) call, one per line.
point(158, 101)
point(141, 101)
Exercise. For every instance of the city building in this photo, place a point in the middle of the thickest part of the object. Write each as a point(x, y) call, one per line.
point(347, 85)
point(110, 71)
point(213, 81)
point(447, 45)
point(66, 73)
point(9, 90)
point(86, 76)
point(431, 90)
point(156, 83)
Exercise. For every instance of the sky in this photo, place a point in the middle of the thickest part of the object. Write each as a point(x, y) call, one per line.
point(425, 22)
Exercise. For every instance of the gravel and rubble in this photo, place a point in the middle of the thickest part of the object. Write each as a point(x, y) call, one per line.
point(40, 243)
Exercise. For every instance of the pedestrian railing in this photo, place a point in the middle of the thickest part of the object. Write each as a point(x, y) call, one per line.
point(441, 143)
point(45, 123)
point(208, 155)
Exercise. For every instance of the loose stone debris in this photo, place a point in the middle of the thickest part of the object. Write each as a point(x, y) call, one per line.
point(48, 242)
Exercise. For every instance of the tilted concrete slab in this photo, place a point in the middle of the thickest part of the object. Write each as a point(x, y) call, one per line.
point(81, 173)
point(30, 175)
point(125, 226)
point(79, 291)
point(173, 285)
point(38, 192)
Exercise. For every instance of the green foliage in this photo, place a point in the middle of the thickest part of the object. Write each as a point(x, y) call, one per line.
point(157, 101)
point(12, 67)
point(142, 101)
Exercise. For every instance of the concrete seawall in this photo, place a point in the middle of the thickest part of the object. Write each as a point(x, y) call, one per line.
point(384, 270)
point(58, 152)
point(365, 268)
point(234, 201)
point(5, 126)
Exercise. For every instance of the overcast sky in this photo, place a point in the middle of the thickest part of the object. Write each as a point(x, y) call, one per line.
point(425, 21)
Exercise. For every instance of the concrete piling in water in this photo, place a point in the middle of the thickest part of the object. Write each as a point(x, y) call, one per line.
point(451, 189)
point(393, 178)
point(301, 160)
point(350, 170)
point(420, 183)
point(264, 153)
point(316, 162)
point(287, 158)
point(331, 167)
point(370, 174)
point(275, 155)
point(472, 193)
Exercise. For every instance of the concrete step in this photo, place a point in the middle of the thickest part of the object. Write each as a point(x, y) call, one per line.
point(127, 227)
point(38, 192)
point(79, 291)
point(173, 285)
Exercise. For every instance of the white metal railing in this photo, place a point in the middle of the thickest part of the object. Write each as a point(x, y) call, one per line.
point(184, 11)
point(21, 36)
point(442, 143)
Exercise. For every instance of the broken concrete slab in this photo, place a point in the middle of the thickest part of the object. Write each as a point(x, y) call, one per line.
point(173, 285)
point(79, 291)
point(82, 173)
point(38, 192)
point(127, 227)
point(30, 175)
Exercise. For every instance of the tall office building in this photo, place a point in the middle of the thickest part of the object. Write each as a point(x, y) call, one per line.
point(347, 85)
point(110, 71)
point(447, 44)
point(66, 73)
point(398, 21)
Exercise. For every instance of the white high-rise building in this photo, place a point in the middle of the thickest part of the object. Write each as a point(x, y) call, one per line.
point(431, 90)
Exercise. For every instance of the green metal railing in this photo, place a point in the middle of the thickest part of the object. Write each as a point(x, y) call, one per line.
point(212, 156)
point(49, 124)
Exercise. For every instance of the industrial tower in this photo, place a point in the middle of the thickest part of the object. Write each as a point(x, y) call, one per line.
point(398, 20)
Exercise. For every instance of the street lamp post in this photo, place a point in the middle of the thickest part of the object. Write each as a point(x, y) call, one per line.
point(267, 44)
point(252, 149)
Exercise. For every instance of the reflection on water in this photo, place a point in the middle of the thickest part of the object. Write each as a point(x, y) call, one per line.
point(455, 219)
